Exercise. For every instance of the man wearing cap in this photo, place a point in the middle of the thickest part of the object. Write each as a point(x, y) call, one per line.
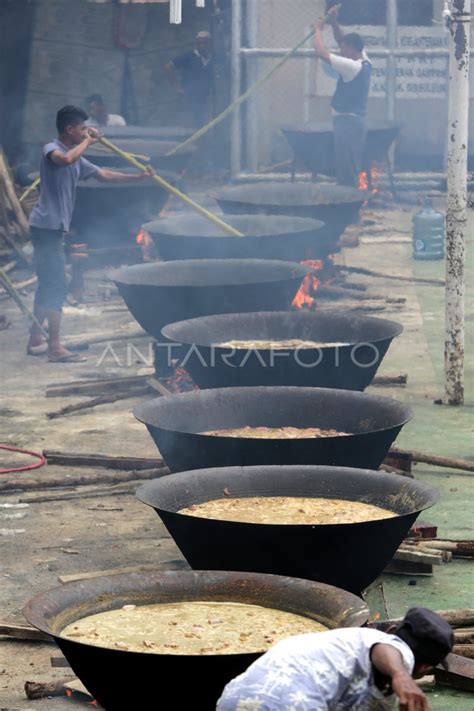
point(349, 103)
point(192, 73)
point(358, 669)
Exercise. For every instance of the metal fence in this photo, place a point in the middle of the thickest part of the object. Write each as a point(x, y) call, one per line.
point(410, 64)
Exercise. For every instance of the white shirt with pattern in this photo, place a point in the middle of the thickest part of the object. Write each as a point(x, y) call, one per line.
point(329, 671)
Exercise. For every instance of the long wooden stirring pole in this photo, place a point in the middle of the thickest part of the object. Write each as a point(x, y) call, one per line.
point(29, 189)
point(20, 302)
point(243, 97)
point(171, 189)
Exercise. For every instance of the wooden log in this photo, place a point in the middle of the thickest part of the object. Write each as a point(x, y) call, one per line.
point(464, 650)
point(417, 545)
point(19, 285)
point(94, 402)
point(436, 460)
point(393, 470)
point(406, 567)
point(102, 460)
point(459, 549)
point(335, 292)
point(417, 556)
point(158, 386)
point(14, 203)
point(95, 386)
point(86, 341)
point(398, 461)
point(24, 632)
point(400, 379)
point(397, 277)
point(60, 482)
point(459, 675)
point(145, 568)
point(95, 492)
point(426, 682)
point(43, 689)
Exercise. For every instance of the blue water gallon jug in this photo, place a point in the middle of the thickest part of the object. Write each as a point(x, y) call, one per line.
point(428, 233)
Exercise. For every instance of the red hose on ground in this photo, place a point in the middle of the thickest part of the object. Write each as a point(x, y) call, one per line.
point(36, 465)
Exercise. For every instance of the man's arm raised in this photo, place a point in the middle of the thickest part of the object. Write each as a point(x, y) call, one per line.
point(319, 47)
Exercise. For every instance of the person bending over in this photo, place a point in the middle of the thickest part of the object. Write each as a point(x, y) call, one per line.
point(345, 669)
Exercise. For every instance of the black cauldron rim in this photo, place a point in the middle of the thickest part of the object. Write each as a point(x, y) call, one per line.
point(140, 410)
point(186, 479)
point(124, 275)
point(170, 327)
point(327, 126)
point(230, 193)
point(36, 609)
point(167, 226)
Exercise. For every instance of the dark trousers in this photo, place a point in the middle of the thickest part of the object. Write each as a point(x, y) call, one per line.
point(349, 142)
point(50, 265)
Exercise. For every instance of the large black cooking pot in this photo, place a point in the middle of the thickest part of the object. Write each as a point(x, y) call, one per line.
point(175, 423)
point(110, 213)
point(157, 133)
point(156, 151)
point(349, 367)
point(313, 144)
point(121, 680)
point(349, 556)
point(336, 205)
point(190, 237)
point(164, 292)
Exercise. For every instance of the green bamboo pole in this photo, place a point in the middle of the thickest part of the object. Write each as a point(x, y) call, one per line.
point(171, 189)
point(29, 189)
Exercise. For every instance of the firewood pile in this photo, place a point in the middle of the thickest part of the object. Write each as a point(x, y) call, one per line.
point(13, 220)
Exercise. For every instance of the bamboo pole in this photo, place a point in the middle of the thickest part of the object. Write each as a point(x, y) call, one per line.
point(20, 302)
point(29, 189)
point(174, 191)
point(10, 194)
point(243, 97)
point(459, 19)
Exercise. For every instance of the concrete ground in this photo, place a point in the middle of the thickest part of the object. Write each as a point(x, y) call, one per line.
point(54, 538)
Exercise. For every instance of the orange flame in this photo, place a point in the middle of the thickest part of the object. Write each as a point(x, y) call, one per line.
point(143, 238)
point(310, 283)
point(363, 181)
point(374, 174)
point(145, 242)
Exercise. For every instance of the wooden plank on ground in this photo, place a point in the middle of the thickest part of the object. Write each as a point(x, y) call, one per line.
point(145, 568)
point(26, 632)
point(459, 675)
point(107, 461)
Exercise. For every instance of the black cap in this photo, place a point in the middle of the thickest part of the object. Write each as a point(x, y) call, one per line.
point(429, 636)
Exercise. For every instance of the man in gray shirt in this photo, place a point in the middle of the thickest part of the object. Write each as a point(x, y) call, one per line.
point(62, 167)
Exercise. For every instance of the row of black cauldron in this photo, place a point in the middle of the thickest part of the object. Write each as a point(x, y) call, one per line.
point(314, 570)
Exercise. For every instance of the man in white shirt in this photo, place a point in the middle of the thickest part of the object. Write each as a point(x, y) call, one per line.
point(349, 103)
point(344, 670)
point(98, 114)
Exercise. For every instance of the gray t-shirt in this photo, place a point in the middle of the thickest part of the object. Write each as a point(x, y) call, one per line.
point(58, 189)
point(329, 671)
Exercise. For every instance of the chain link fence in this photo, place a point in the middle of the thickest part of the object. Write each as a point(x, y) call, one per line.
point(409, 81)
